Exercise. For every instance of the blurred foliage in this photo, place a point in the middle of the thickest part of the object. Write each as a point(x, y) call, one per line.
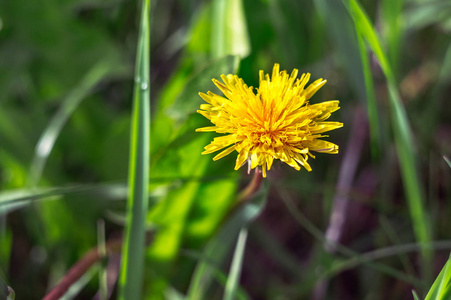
point(73, 61)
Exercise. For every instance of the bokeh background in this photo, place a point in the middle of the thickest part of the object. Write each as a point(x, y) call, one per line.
point(66, 78)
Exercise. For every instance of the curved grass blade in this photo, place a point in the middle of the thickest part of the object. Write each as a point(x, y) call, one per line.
point(69, 105)
point(237, 263)
point(133, 250)
point(402, 133)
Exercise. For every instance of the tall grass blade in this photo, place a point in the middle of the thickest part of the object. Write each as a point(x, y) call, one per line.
point(402, 132)
point(134, 242)
point(235, 269)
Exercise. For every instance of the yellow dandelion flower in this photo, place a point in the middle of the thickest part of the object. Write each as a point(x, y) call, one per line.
point(276, 123)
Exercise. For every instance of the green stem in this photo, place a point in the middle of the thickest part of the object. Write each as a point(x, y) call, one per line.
point(132, 265)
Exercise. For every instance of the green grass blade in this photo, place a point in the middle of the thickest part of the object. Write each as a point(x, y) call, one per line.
point(235, 269)
point(69, 105)
point(402, 132)
point(229, 29)
point(134, 242)
point(441, 289)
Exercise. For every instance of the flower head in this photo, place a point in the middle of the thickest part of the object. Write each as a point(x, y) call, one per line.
point(277, 122)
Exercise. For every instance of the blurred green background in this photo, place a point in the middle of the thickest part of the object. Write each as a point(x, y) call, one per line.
point(66, 80)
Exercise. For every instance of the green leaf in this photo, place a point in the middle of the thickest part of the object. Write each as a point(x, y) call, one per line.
point(199, 43)
point(132, 266)
point(229, 34)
